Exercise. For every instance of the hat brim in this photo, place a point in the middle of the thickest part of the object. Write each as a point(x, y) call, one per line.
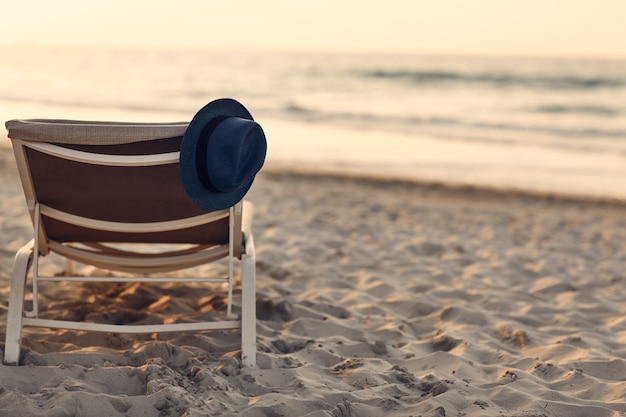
point(205, 119)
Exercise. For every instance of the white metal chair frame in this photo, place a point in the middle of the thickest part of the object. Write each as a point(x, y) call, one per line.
point(121, 260)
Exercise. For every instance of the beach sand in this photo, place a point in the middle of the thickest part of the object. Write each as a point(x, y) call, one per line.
point(374, 298)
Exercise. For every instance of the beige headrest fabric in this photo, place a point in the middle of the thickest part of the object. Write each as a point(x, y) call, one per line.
point(91, 133)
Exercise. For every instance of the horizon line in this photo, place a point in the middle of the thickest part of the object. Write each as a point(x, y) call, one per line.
point(318, 50)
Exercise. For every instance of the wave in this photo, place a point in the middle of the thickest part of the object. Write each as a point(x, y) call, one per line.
point(578, 109)
point(498, 79)
point(442, 123)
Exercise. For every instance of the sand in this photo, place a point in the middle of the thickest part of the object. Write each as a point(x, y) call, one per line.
point(374, 298)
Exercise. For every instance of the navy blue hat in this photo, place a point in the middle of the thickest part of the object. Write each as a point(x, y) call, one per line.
point(222, 150)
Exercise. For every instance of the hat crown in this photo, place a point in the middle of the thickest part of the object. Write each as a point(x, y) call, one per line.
point(235, 153)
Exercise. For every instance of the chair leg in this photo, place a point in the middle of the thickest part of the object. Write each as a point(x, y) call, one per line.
point(248, 310)
point(23, 259)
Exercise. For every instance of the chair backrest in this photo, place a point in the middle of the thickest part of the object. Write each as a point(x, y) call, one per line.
point(112, 182)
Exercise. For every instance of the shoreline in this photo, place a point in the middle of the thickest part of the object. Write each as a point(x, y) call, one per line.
point(288, 170)
point(460, 189)
point(523, 167)
point(352, 172)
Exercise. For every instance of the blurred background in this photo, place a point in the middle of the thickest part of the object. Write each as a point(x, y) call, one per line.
point(526, 95)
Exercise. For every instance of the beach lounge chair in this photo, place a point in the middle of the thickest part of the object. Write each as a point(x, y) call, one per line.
point(101, 193)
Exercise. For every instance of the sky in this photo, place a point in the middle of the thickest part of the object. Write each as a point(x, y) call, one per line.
point(594, 28)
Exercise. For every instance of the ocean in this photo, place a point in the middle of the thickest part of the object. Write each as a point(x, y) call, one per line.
point(539, 124)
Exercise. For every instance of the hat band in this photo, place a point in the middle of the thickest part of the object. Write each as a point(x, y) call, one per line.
point(201, 151)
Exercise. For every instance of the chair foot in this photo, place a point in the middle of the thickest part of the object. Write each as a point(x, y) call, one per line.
point(15, 314)
point(248, 311)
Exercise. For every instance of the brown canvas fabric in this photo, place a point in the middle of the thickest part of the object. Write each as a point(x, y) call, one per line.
point(127, 194)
